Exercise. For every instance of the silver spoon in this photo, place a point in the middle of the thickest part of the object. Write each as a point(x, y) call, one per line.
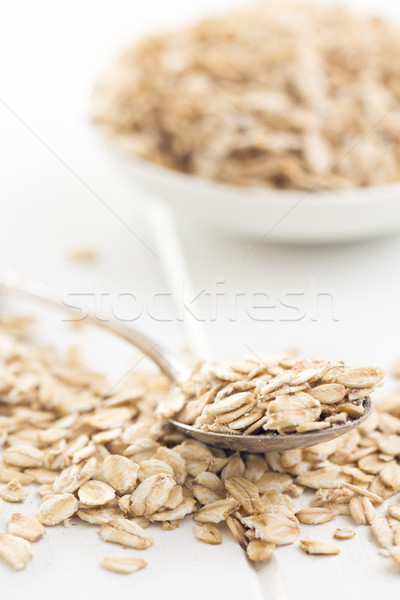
point(176, 371)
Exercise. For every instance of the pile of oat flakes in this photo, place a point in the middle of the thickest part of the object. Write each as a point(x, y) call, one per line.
point(264, 393)
point(281, 94)
point(102, 455)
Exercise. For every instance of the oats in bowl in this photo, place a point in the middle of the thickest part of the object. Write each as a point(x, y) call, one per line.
point(283, 95)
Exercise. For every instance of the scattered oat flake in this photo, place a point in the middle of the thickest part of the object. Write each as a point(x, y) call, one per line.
point(362, 510)
point(320, 548)
point(7, 474)
point(124, 565)
point(246, 493)
point(126, 533)
point(15, 551)
point(24, 455)
point(57, 508)
point(279, 529)
point(26, 527)
point(382, 531)
point(364, 492)
point(394, 552)
point(315, 515)
point(95, 493)
point(344, 534)
point(394, 511)
point(258, 550)
point(217, 511)
point(169, 525)
point(13, 492)
point(82, 254)
point(120, 472)
point(73, 477)
point(184, 508)
point(97, 516)
point(205, 532)
point(151, 494)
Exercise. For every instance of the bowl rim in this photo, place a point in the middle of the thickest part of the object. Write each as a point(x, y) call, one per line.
point(348, 196)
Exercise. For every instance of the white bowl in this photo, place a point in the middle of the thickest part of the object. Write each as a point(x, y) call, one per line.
point(274, 215)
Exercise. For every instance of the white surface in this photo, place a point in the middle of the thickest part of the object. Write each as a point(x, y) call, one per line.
point(50, 54)
point(304, 217)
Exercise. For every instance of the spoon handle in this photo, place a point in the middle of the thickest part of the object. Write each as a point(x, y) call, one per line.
point(169, 364)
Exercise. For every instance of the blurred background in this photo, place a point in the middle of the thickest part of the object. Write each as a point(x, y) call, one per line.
point(62, 189)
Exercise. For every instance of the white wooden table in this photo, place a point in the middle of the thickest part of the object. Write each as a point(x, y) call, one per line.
point(58, 190)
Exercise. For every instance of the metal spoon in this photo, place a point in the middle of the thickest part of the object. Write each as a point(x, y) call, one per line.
point(176, 371)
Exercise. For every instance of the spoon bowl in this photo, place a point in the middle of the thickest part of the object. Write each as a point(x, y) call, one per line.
point(272, 442)
point(176, 372)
